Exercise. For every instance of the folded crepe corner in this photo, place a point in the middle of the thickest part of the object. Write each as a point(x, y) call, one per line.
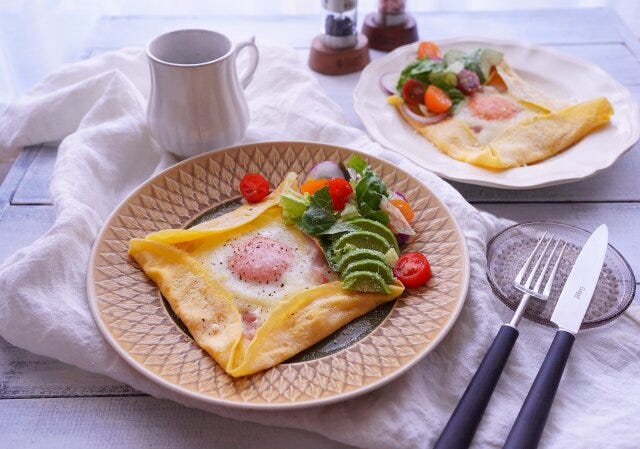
point(208, 310)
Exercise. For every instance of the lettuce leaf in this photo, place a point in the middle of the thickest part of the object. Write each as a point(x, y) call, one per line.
point(293, 206)
point(420, 70)
point(357, 163)
point(369, 193)
point(318, 217)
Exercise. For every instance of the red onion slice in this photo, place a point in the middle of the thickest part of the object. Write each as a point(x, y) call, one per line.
point(402, 239)
point(422, 120)
point(325, 170)
point(387, 82)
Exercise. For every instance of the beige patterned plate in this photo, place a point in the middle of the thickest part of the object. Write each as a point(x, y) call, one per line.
point(365, 354)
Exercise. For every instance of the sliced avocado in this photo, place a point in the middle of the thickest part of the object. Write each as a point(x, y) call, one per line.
point(375, 226)
point(365, 281)
point(372, 266)
point(362, 239)
point(355, 254)
point(336, 256)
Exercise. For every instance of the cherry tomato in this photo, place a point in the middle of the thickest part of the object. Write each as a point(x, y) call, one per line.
point(340, 191)
point(413, 91)
point(254, 187)
point(428, 50)
point(404, 208)
point(437, 100)
point(413, 270)
point(313, 185)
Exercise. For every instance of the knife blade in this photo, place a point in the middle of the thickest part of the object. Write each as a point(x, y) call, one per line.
point(578, 289)
point(568, 315)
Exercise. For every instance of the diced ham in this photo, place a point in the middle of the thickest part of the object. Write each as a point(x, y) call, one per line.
point(320, 271)
point(249, 324)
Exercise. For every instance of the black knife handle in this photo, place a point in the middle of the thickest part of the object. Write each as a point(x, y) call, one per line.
point(528, 427)
point(464, 421)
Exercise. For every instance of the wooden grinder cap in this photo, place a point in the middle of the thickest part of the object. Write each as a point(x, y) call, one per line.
point(339, 62)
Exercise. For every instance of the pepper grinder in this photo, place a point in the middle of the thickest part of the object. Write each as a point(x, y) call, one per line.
point(340, 48)
point(391, 26)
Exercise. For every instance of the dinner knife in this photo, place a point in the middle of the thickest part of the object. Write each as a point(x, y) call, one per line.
point(567, 315)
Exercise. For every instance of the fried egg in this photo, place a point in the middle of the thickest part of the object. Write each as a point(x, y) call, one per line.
point(490, 113)
point(262, 263)
point(252, 290)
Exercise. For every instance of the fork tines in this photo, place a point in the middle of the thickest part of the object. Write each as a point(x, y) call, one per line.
point(538, 290)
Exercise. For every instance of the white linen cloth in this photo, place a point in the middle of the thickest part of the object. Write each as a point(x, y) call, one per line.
point(97, 108)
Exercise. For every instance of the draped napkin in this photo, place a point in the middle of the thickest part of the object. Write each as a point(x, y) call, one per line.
point(97, 109)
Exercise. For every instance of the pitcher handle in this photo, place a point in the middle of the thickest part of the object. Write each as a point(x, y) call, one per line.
point(247, 76)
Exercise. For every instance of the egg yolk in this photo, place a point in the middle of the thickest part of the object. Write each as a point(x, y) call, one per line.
point(492, 107)
point(260, 259)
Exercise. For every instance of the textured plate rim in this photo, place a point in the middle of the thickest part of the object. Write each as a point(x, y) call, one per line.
point(487, 179)
point(207, 400)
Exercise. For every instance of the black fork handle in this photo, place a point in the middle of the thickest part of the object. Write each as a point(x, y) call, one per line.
point(464, 421)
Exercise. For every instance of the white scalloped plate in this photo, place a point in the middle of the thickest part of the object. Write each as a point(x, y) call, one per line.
point(549, 70)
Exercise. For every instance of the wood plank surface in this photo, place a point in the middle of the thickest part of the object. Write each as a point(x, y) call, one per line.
point(26, 375)
point(136, 422)
point(22, 225)
point(45, 403)
point(34, 185)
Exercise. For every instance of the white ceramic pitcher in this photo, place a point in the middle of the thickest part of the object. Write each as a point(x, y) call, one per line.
point(197, 103)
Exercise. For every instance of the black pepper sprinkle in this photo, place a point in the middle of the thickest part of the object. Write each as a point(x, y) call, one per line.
point(338, 26)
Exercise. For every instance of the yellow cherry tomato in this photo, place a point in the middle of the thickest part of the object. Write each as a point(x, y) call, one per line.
point(313, 185)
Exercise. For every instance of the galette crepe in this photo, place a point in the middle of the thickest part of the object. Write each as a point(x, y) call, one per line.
point(476, 109)
point(252, 290)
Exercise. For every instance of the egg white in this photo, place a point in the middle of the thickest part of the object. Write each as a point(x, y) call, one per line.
point(490, 129)
point(257, 298)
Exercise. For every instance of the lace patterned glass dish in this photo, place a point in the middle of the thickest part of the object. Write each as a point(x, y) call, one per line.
point(508, 250)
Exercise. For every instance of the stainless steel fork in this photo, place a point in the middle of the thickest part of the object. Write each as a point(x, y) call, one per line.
point(532, 281)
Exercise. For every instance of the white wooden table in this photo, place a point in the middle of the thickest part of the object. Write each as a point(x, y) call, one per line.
point(45, 403)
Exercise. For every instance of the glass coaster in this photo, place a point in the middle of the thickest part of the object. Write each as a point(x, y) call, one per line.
point(508, 251)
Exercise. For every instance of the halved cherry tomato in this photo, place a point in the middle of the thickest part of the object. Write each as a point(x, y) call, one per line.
point(428, 50)
point(340, 191)
point(254, 187)
point(313, 185)
point(405, 209)
point(437, 100)
point(413, 91)
point(413, 270)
